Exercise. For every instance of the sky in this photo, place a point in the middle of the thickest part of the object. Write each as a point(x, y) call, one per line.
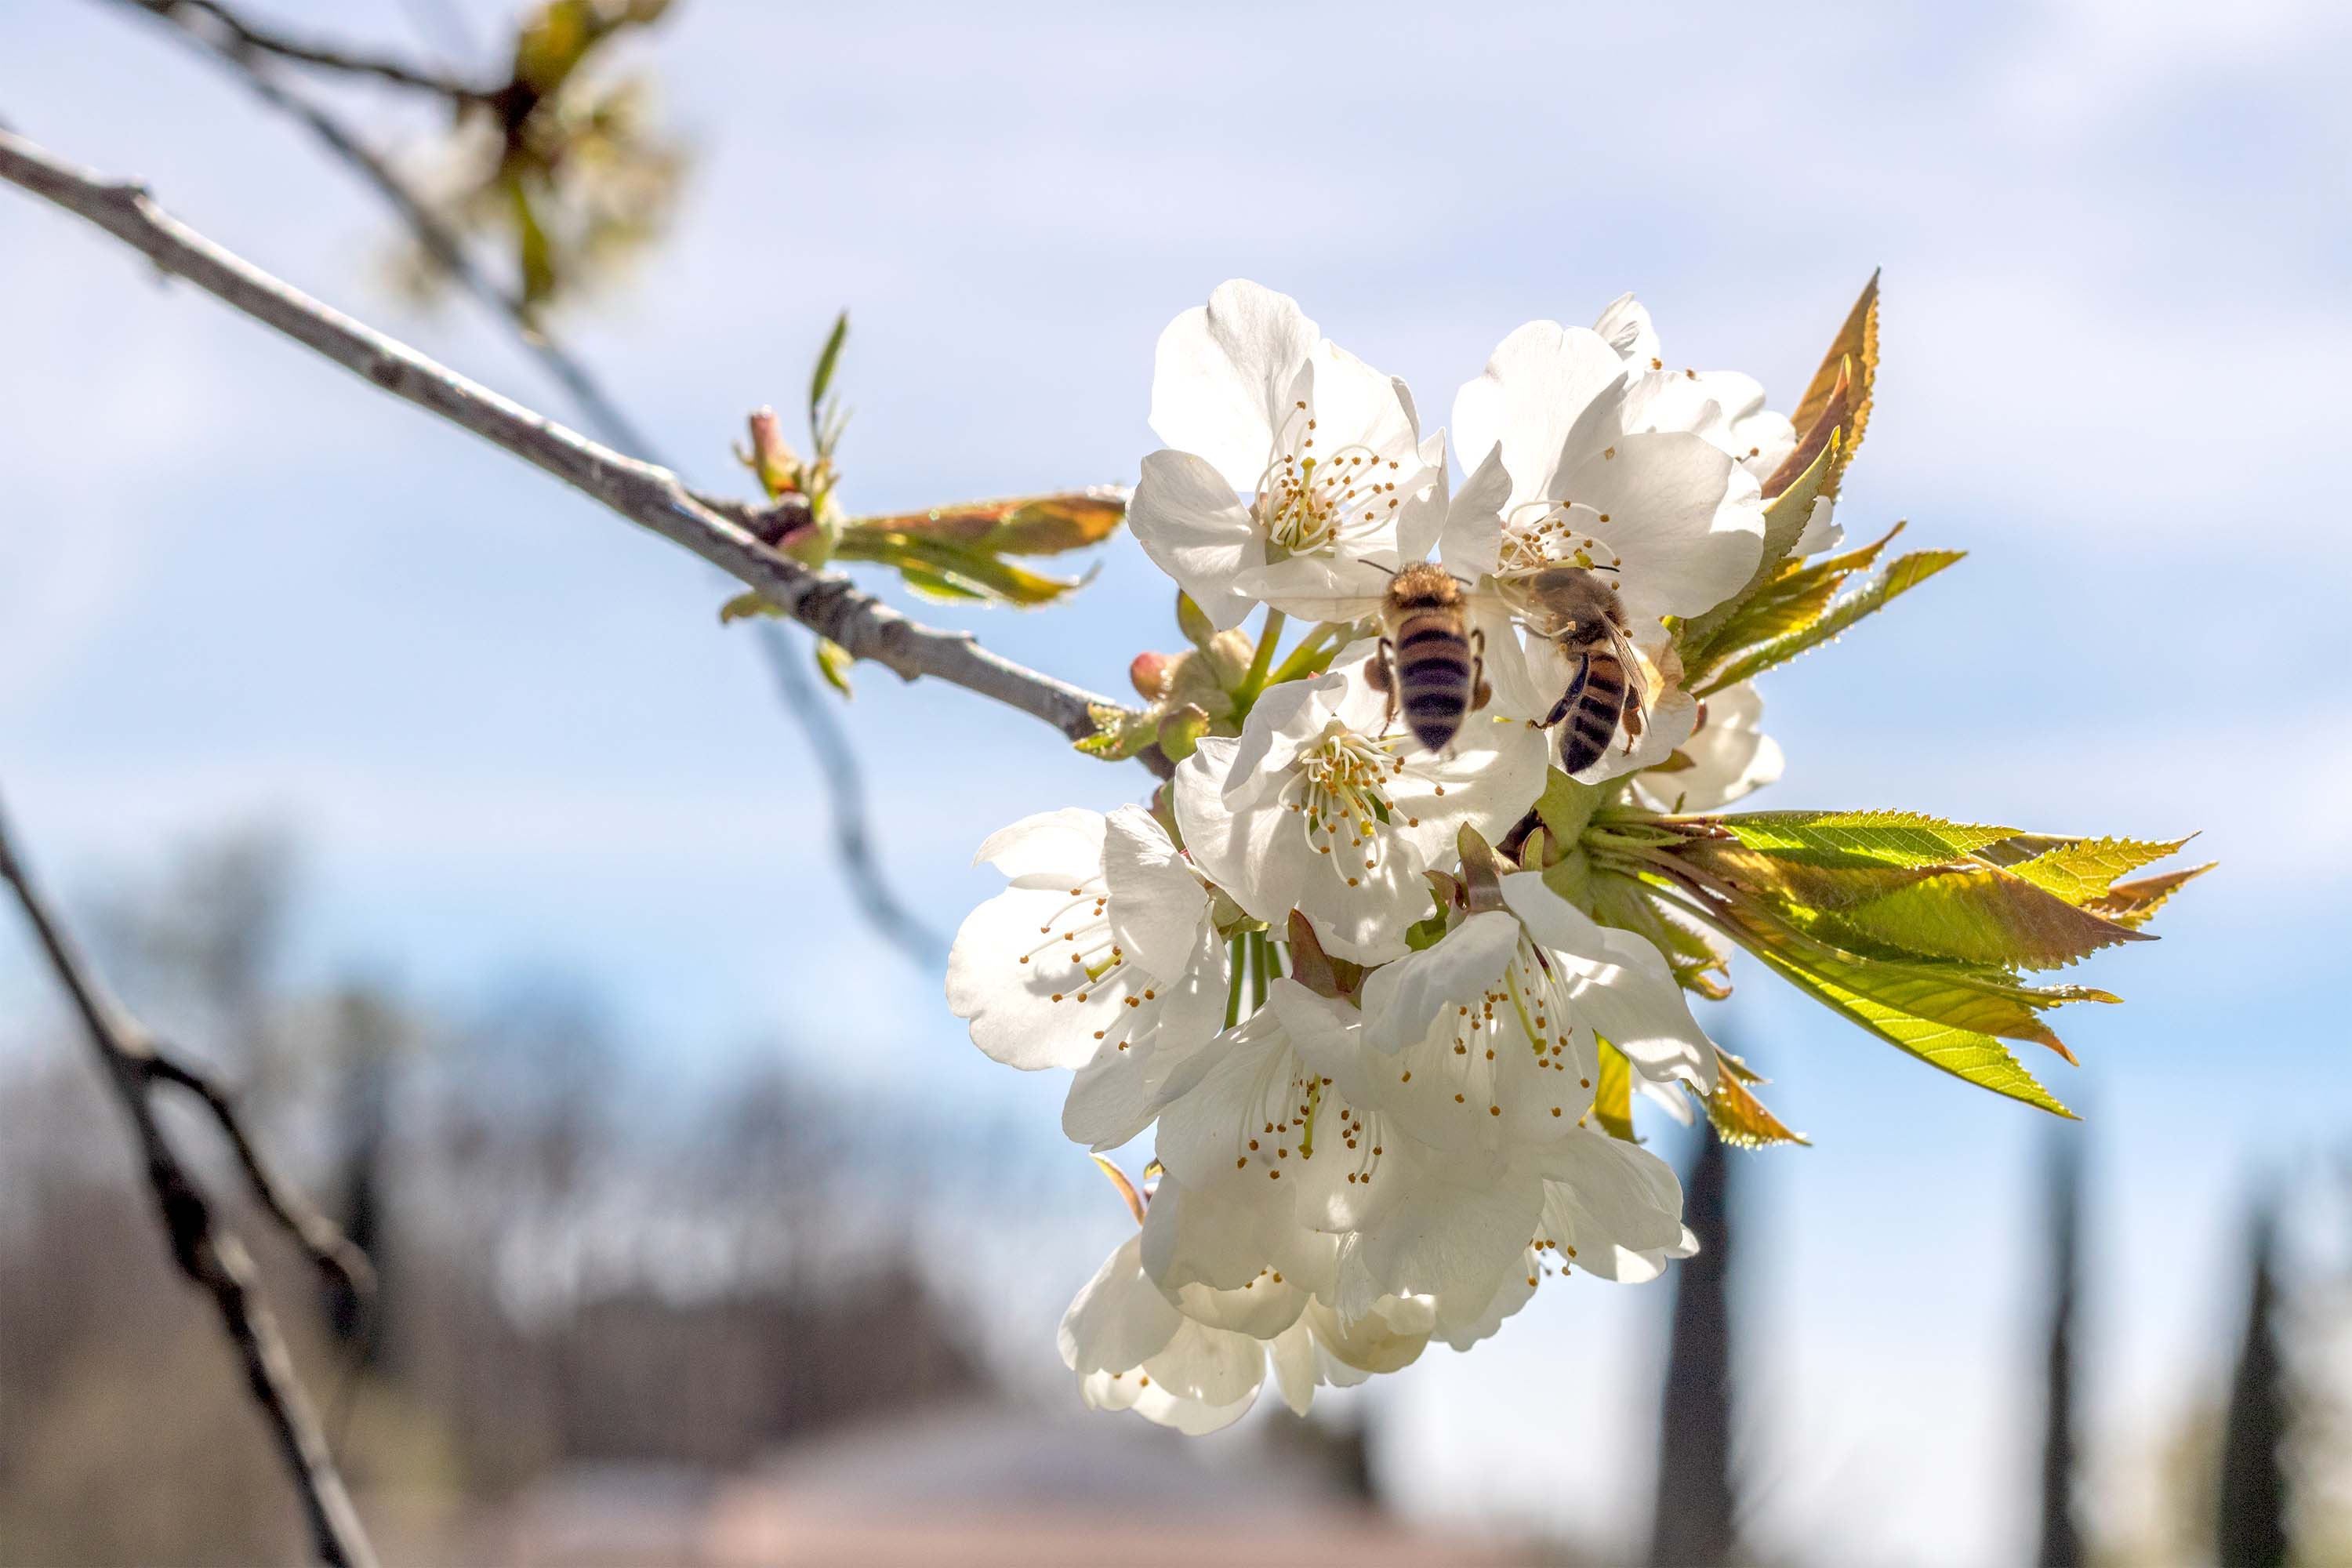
point(237, 585)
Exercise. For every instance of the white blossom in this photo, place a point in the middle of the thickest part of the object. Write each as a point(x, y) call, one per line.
point(1324, 806)
point(1102, 953)
point(1730, 756)
point(1292, 470)
point(1675, 520)
point(1134, 1350)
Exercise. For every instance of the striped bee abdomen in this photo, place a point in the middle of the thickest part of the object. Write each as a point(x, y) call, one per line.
point(1433, 676)
point(1595, 703)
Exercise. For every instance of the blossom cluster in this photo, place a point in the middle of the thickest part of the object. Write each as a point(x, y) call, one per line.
point(1384, 1007)
point(1345, 1171)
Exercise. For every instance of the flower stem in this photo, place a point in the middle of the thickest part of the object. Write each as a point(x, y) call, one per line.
point(1311, 655)
point(1259, 959)
point(1236, 960)
point(1262, 661)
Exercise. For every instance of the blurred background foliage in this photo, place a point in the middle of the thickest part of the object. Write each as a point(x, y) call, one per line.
point(564, 165)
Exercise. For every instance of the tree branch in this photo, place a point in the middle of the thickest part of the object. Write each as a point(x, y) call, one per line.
point(239, 52)
point(224, 29)
point(647, 495)
point(844, 783)
point(211, 1257)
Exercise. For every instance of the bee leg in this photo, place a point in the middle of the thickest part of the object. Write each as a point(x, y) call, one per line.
point(1481, 693)
point(1380, 673)
point(1635, 718)
point(1568, 698)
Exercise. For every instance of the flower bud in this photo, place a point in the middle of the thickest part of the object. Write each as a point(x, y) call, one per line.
point(1151, 674)
point(1181, 730)
point(772, 458)
point(1191, 622)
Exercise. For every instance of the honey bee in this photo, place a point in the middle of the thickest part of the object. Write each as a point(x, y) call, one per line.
point(1581, 613)
point(1429, 662)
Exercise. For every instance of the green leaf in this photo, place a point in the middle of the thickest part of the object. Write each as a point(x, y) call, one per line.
point(1018, 525)
point(1739, 1118)
point(1951, 1015)
point(1970, 1054)
point(1845, 838)
point(1618, 900)
point(1565, 806)
point(1785, 517)
point(1794, 600)
point(2132, 903)
point(1613, 1096)
point(1852, 359)
point(1120, 732)
point(944, 568)
point(534, 252)
point(937, 585)
point(1964, 910)
point(833, 662)
point(2083, 871)
point(1905, 574)
point(1737, 1066)
point(743, 606)
point(1424, 935)
point(1817, 441)
point(822, 380)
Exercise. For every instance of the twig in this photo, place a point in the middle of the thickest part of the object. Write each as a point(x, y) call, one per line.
point(642, 492)
point(442, 243)
point(330, 1251)
point(210, 1255)
point(605, 419)
point(846, 786)
point(224, 29)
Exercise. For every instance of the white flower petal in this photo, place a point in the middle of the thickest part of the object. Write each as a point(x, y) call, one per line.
point(1402, 1000)
point(1355, 404)
point(1117, 1094)
point(1537, 382)
point(1620, 984)
point(1821, 531)
point(1157, 903)
point(1494, 772)
point(1465, 1321)
point(1321, 588)
point(1388, 1337)
point(1730, 756)
point(1221, 372)
point(1685, 523)
point(1190, 522)
point(1443, 1235)
point(1470, 540)
point(1119, 1318)
point(1004, 974)
point(1624, 1195)
point(1052, 848)
point(1292, 1355)
point(1625, 324)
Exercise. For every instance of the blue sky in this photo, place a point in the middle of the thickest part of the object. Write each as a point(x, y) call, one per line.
point(236, 583)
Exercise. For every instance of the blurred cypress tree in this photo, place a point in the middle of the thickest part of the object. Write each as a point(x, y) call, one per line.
point(2062, 1542)
point(2250, 1518)
point(1692, 1523)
